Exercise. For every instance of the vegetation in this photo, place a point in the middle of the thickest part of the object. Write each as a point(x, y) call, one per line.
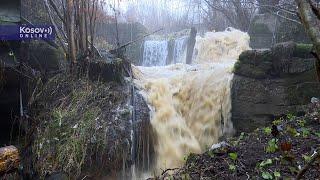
point(287, 148)
point(72, 130)
point(80, 122)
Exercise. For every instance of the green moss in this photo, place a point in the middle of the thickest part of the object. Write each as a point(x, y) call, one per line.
point(236, 67)
point(258, 73)
point(266, 56)
point(245, 56)
point(303, 50)
point(191, 158)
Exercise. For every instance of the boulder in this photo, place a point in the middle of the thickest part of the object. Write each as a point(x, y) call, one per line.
point(271, 83)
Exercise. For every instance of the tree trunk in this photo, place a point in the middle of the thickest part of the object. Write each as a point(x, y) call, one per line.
point(308, 20)
point(9, 159)
point(82, 28)
point(70, 26)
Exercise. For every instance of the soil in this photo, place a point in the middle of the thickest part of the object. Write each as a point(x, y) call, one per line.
point(254, 156)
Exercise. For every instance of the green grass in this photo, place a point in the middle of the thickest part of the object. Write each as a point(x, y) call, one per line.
point(69, 134)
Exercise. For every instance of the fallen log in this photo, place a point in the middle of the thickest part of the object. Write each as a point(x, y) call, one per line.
point(9, 159)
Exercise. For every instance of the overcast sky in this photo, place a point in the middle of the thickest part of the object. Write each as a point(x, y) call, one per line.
point(156, 13)
point(173, 6)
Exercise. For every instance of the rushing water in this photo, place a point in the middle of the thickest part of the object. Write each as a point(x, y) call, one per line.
point(191, 104)
point(180, 50)
point(155, 53)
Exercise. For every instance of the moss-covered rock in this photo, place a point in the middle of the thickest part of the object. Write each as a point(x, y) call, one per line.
point(282, 60)
point(254, 63)
point(269, 83)
point(303, 50)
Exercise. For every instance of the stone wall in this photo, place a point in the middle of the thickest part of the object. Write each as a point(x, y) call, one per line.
point(268, 29)
point(271, 83)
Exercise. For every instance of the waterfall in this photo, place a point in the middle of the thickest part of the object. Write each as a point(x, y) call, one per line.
point(155, 53)
point(191, 104)
point(180, 49)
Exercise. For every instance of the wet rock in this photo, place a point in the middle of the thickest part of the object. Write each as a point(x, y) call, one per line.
point(219, 145)
point(270, 83)
point(282, 60)
point(314, 100)
point(105, 71)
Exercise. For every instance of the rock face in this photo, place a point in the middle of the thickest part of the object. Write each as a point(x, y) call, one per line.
point(270, 83)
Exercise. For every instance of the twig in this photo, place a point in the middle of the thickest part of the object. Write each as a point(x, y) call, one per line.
point(168, 170)
point(308, 165)
point(138, 39)
point(84, 177)
point(32, 98)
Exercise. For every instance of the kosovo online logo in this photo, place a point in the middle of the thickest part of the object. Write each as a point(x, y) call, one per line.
point(27, 32)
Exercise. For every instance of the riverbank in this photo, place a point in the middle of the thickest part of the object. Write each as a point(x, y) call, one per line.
point(279, 151)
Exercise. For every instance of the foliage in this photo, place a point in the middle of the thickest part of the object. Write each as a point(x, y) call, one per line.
point(267, 130)
point(277, 121)
point(277, 174)
point(305, 132)
point(236, 142)
point(232, 167)
point(74, 122)
point(233, 156)
point(301, 122)
point(290, 116)
point(265, 163)
point(211, 154)
point(272, 146)
point(317, 134)
point(260, 149)
point(302, 50)
point(71, 133)
point(266, 175)
point(292, 131)
point(306, 158)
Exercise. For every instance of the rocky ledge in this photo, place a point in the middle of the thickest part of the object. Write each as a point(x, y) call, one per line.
point(272, 82)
